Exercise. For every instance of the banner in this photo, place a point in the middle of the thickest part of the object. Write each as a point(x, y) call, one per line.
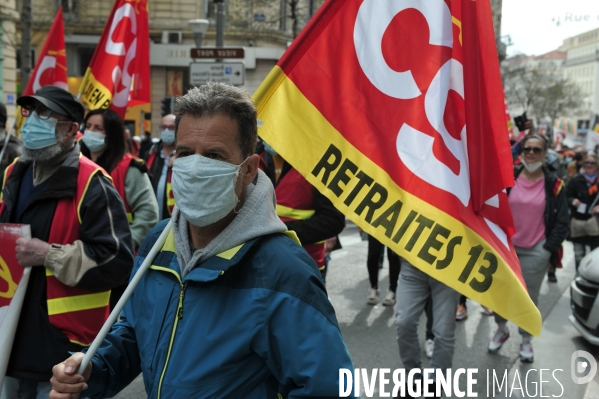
point(395, 111)
point(118, 75)
point(51, 66)
point(13, 285)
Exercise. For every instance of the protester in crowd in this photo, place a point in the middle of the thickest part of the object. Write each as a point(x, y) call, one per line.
point(301, 206)
point(132, 143)
point(415, 288)
point(12, 144)
point(81, 245)
point(538, 203)
point(104, 143)
point(575, 165)
point(251, 314)
point(372, 264)
point(160, 163)
point(145, 145)
point(582, 195)
point(462, 312)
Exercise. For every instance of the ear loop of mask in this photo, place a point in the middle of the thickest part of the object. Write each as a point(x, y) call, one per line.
point(239, 199)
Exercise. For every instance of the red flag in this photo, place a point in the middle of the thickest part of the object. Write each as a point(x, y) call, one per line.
point(394, 110)
point(13, 285)
point(119, 73)
point(51, 67)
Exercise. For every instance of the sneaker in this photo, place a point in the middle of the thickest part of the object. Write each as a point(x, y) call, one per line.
point(373, 296)
point(551, 277)
point(526, 353)
point(486, 311)
point(429, 345)
point(498, 339)
point(389, 299)
point(461, 313)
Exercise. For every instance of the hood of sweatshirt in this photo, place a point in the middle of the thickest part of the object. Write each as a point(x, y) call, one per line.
point(257, 217)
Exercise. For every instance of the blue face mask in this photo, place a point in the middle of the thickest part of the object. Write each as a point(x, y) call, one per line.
point(167, 136)
point(39, 133)
point(94, 141)
point(204, 188)
point(269, 149)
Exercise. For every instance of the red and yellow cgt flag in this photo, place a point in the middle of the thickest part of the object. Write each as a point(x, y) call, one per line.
point(394, 110)
point(51, 66)
point(119, 73)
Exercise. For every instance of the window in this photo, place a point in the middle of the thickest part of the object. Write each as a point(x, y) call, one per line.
point(69, 6)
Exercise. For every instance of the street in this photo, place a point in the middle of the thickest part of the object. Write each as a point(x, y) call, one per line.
point(369, 332)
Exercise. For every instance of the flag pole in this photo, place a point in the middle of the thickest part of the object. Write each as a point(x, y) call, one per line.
point(121, 303)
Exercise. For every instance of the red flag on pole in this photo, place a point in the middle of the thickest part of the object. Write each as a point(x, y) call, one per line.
point(394, 110)
point(51, 67)
point(119, 73)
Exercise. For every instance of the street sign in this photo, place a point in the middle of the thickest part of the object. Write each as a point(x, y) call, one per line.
point(217, 52)
point(201, 73)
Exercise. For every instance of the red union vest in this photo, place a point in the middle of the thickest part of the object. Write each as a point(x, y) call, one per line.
point(295, 201)
point(79, 314)
point(118, 175)
point(170, 198)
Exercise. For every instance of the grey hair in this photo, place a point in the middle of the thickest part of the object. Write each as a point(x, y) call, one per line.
point(222, 99)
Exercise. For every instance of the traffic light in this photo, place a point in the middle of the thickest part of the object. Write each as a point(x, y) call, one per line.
point(166, 107)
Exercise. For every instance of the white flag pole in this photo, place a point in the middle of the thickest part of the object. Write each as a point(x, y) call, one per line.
point(121, 303)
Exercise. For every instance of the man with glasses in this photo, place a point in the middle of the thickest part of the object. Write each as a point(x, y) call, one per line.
point(81, 246)
point(160, 162)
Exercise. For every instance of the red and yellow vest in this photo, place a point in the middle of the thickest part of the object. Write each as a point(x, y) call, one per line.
point(170, 198)
point(79, 314)
point(295, 201)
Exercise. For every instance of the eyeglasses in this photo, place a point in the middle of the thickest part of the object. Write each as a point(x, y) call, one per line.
point(536, 150)
point(590, 163)
point(41, 110)
point(167, 127)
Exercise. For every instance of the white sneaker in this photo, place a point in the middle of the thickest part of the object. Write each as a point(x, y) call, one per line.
point(526, 352)
point(389, 299)
point(429, 345)
point(498, 339)
point(373, 296)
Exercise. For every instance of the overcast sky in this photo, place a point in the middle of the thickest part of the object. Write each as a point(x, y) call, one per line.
point(538, 26)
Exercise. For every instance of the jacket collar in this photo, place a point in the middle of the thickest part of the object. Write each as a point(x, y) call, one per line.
point(209, 270)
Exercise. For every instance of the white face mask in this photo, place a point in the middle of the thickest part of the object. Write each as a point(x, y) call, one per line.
point(94, 141)
point(532, 167)
point(204, 188)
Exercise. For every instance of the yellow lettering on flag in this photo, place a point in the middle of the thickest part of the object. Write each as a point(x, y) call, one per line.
point(428, 238)
point(94, 95)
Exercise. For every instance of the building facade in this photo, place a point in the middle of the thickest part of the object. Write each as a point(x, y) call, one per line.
point(582, 67)
point(264, 28)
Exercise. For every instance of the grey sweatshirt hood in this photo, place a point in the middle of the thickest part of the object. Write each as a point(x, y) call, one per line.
point(257, 217)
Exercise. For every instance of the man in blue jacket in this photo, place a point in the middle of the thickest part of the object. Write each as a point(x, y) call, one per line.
point(232, 306)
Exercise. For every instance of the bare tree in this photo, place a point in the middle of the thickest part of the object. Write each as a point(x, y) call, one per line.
point(542, 92)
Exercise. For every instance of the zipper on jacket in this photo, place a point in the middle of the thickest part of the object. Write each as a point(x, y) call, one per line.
point(178, 316)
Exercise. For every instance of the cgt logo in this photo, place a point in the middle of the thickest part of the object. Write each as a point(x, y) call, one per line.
point(579, 367)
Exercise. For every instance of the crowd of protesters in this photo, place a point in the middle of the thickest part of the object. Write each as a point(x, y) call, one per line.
point(93, 194)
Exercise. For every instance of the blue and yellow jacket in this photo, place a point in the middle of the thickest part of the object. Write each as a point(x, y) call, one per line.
point(251, 322)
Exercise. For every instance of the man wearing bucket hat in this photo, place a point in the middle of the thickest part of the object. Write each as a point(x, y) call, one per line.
point(80, 248)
